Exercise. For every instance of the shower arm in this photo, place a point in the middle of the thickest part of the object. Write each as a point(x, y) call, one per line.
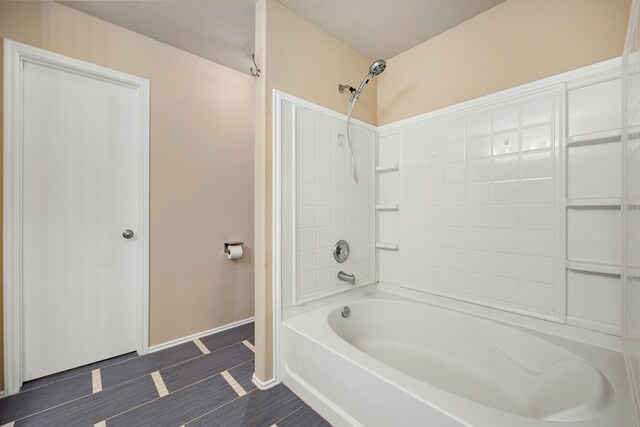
point(341, 88)
point(355, 94)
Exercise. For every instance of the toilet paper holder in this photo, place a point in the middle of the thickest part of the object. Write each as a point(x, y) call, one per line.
point(227, 244)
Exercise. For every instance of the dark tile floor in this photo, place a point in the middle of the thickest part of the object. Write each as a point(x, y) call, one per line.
point(204, 382)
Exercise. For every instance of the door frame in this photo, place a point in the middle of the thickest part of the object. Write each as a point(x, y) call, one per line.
point(15, 56)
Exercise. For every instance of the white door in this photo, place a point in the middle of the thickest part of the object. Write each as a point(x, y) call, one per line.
point(81, 184)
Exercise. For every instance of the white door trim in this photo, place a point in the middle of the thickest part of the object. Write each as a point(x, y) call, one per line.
point(15, 55)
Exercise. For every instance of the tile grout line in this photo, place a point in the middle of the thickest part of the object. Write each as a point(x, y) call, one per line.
point(233, 383)
point(115, 385)
point(216, 408)
point(289, 414)
point(159, 383)
point(123, 361)
point(181, 362)
point(180, 389)
point(58, 405)
point(119, 384)
point(233, 400)
point(96, 381)
point(78, 374)
point(249, 345)
point(201, 346)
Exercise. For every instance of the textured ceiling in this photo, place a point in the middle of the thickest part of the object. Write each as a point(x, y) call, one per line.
point(385, 28)
point(223, 30)
point(219, 30)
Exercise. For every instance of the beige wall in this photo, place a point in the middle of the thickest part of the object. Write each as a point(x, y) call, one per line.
point(302, 60)
point(513, 43)
point(201, 134)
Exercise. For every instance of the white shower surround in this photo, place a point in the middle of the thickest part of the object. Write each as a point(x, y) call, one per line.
point(481, 204)
point(322, 205)
point(631, 201)
point(330, 205)
point(587, 302)
point(587, 230)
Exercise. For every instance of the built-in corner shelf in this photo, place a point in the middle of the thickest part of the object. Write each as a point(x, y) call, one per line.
point(388, 246)
point(612, 135)
point(388, 168)
point(592, 267)
point(602, 202)
point(388, 207)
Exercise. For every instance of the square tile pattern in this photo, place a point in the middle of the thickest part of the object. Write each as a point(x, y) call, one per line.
point(479, 198)
point(330, 205)
point(195, 383)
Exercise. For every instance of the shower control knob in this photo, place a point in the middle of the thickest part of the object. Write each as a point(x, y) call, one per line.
point(127, 234)
point(341, 251)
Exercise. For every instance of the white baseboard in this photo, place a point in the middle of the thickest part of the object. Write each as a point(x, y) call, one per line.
point(264, 385)
point(175, 342)
point(1, 394)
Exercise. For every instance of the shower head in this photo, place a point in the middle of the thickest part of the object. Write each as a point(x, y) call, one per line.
point(377, 67)
point(374, 70)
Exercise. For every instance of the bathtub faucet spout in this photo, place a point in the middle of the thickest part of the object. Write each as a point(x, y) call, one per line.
point(349, 278)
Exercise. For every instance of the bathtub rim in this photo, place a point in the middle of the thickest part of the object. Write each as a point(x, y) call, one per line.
point(394, 291)
point(561, 330)
point(328, 338)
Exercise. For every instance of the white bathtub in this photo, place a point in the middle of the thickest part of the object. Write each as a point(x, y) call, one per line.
point(396, 362)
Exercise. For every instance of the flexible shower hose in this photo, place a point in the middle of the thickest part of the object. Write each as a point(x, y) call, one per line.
point(354, 171)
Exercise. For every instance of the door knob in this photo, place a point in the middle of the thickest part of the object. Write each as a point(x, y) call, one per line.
point(127, 234)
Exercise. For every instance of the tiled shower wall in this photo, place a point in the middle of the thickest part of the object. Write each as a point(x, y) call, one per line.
point(479, 203)
point(331, 206)
point(513, 203)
